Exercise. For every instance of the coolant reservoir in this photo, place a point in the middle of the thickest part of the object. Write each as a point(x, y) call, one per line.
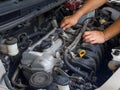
point(116, 54)
point(12, 47)
point(115, 62)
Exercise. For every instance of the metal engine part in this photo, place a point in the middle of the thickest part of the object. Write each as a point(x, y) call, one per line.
point(40, 79)
point(40, 63)
point(40, 58)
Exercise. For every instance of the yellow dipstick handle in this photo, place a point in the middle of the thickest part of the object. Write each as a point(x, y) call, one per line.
point(82, 53)
point(103, 21)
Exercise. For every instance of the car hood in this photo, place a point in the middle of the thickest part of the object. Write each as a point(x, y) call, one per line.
point(13, 12)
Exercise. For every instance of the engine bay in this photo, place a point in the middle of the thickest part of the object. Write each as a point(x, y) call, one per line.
point(36, 54)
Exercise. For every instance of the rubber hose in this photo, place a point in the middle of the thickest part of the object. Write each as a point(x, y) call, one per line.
point(73, 68)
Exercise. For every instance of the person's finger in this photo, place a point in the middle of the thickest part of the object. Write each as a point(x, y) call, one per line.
point(63, 24)
point(87, 37)
point(67, 26)
point(93, 42)
point(86, 33)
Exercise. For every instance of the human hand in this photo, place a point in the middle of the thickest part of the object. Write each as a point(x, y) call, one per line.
point(68, 21)
point(94, 37)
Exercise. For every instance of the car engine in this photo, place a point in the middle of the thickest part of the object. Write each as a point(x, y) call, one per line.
point(36, 54)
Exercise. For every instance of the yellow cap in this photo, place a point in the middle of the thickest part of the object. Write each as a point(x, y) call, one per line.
point(102, 21)
point(82, 53)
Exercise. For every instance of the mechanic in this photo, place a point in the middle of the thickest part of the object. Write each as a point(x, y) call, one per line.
point(95, 36)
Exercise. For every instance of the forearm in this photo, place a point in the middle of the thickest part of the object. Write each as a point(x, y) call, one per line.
point(89, 6)
point(112, 30)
